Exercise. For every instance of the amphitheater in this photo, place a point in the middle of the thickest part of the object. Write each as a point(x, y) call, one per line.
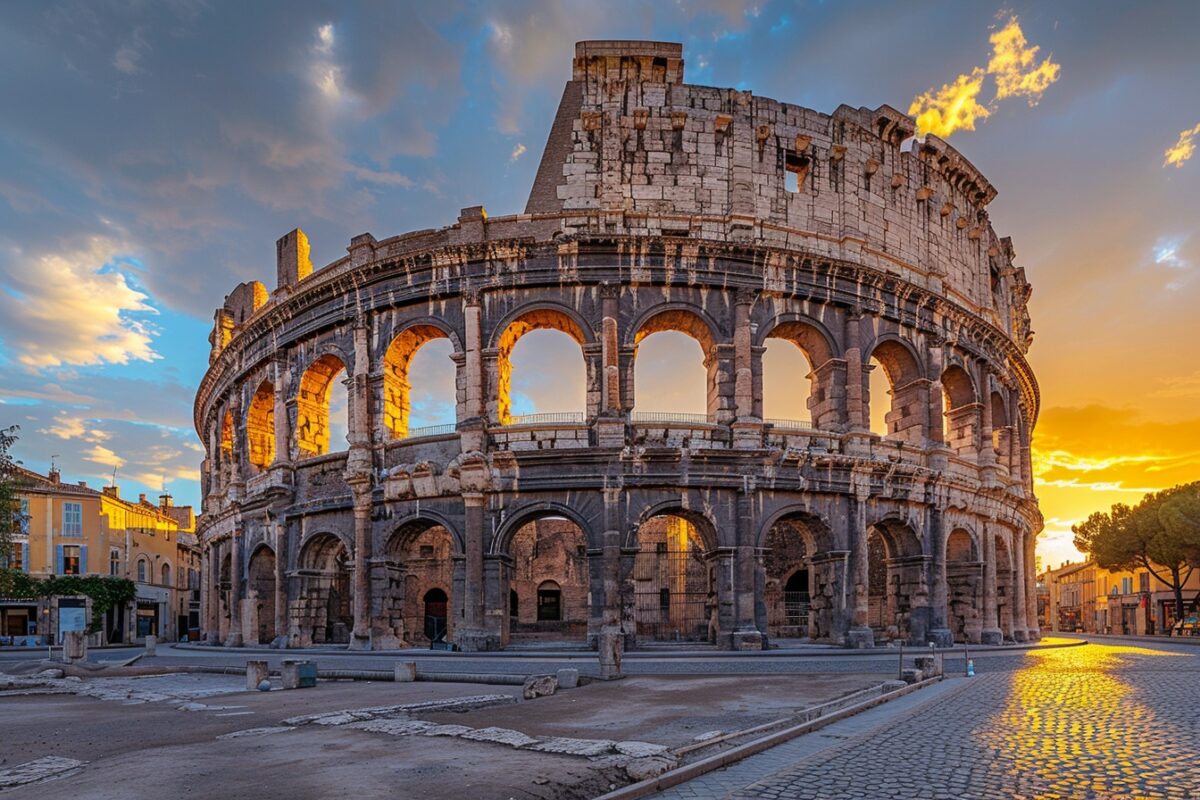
point(657, 206)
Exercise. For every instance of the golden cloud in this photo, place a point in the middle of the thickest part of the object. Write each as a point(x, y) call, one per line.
point(1182, 150)
point(1015, 70)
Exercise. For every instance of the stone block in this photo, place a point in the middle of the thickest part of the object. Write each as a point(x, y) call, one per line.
point(539, 686)
point(256, 673)
point(568, 678)
point(405, 671)
point(75, 646)
point(151, 643)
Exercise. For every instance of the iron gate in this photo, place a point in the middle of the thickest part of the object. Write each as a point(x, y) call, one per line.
point(671, 595)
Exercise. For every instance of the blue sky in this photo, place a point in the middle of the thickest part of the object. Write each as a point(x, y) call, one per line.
point(151, 154)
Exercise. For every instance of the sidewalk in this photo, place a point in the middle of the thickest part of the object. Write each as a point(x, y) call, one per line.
point(1192, 641)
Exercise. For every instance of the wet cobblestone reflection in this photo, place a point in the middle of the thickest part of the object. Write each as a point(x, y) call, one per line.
point(1101, 721)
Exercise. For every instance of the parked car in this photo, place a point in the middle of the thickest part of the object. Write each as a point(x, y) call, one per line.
point(1188, 626)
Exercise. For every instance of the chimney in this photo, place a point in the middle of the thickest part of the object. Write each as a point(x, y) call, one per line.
point(83, 484)
point(165, 500)
point(292, 262)
point(112, 491)
point(142, 499)
point(55, 475)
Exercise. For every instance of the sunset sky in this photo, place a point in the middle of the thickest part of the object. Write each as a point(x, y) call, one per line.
point(151, 154)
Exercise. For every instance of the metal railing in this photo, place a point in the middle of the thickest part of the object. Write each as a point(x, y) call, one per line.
point(551, 418)
point(668, 416)
point(790, 424)
point(431, 430)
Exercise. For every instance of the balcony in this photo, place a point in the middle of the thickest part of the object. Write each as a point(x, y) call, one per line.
point(562, 430)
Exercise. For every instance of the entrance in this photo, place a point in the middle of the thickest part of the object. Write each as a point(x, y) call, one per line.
point(672, 582)
point(435, 615)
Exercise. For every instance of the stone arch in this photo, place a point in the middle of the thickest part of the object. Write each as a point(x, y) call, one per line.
point(704, 524)
point(964, 584)
point(322, 612)
point(673, 586)
point(549, 549)
point(789, 541)
point(166, 574)
point(692, 322)
point(260, 427)
point(907, 412)
point(522, 515)
point(896, 581)
point(312, 404)
point(806, 333)
point(226, 436)
point(1005, 583)
point(422, 555)
point(824, 379)
point(960, 418)
point(260, 591)
point(818, 538)
point(396, 362)
point(542, 316)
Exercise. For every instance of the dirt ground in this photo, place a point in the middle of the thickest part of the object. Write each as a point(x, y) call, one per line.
point(164, 737)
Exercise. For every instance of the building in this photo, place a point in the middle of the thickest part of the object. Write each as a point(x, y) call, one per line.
point(657, 206)
point(72, 529)
point(1090, 599)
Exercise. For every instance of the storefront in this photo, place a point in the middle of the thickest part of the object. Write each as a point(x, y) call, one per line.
point(19, 623)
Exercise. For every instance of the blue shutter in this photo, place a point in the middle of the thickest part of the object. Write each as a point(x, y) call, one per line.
point(25, 556)
point(83, 560)
point(58, 556)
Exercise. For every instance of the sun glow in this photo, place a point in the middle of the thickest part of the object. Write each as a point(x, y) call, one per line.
point(1178, 153)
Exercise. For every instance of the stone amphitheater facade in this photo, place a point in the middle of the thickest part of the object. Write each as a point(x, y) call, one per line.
point(657, 206)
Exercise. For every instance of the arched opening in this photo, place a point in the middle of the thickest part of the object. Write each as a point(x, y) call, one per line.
point(786, 589)
point(674, 369)
point(324, 608)
point(1004, 587)
point(787, 379)
point(225, 459)
point(1001, 430)
point(224, 587)
point(895, 581)
point(260, 590)
point(437, 615)
point(166, 574)
point(419, 382)
point(964, 586)
point(562, 390)
point(141, 570)
point(514, 605)
point(538, 394)
point(674, 593)
point(260, 427)
point(797, 387)
point(960, 419)
point(900, 395)
point(420, 561)
point(550, 581)
point(322, 408)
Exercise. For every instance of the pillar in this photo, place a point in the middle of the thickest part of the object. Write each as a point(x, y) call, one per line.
point(939, 612)
point(1032, 622)
point(987, 453)
point(937, 398)
point(472, 415)
point(860, 634)
point(283, 428)
point(991, 633)
point(472, 636)
point(743, 392)
point(235, 589)
point(1019, 625)
point(205, 590)
point(746, 635)
point(610, 643)
point(281, 594)
point(610, 385)
point(857, 413)
point(360, 638)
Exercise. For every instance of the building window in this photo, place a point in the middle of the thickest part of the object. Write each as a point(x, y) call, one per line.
point(71, 565)
point(166, 574)
point(17, 559)
point(141, 572)
point(72, 519)
point(23, 522)
point(1126, 585)
point(114, 562)
point(797, 170)
point(1144, 582)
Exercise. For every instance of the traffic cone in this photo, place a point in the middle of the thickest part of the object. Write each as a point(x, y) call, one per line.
point(970, 668)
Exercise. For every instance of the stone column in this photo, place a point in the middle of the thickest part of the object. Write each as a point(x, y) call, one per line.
point(937, 398)
point(1019, 626)
point(991, 633)
point(939, 624)
point(857, 413)
point(611, 641)
point(360, 638)
point(472, 416)
point(283, 430)
point(860, 634)
point(472, 635)
point(746, 635)
point(235, 589)
point(281, 593)
point(723, 563)
point(1032, 623)
point(610, 385)
point(743, 393)
point(205, 590)
point(987, 452)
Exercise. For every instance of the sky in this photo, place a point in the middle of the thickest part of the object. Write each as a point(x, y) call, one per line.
point(152, 153)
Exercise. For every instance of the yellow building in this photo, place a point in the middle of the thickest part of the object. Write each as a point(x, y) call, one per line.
point(72, 529)
point(1088, 598)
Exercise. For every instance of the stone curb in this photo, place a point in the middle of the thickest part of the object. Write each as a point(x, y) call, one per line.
point(1188, 641)
point(697, 768)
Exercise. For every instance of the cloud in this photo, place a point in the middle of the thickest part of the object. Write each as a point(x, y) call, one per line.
point(517, 152)
point(1177, 154)
point(72, 306)
point(1015, 71)
point(102, 455)
point(68, 426)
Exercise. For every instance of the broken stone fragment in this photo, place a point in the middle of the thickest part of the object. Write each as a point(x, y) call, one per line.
point(539, 686)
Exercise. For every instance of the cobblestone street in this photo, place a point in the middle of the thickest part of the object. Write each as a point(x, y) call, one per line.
point(1099, 721)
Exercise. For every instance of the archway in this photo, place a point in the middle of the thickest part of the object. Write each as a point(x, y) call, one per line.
point(787, 564)
point(260, 427)
point(420, 561)
point(323, 613)
point(797, 384)
point(964, 586)
point(960, 419)
point(437, 616)
point(550, 581)
point(538, 394)
point(674, 369)
point(903, 419)
point(674, 592)
point(896, 585)
point(419, 381)
point(540, 319)
point(322, 407)
point(1002, 432)
point(225, 458)
point(260, 586)
point(224, 588)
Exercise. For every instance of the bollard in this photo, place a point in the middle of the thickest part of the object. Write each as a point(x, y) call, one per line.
point(406, 671)
point(568, 678)
point(256, 673)
point(900, 667)
point(74, 646)
point(298, 674)
point(151, 644)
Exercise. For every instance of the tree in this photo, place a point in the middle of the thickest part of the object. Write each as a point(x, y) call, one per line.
point(1160, 534)
point(10, 502)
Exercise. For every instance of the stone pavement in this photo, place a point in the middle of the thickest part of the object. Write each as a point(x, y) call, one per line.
point(1100, 721)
